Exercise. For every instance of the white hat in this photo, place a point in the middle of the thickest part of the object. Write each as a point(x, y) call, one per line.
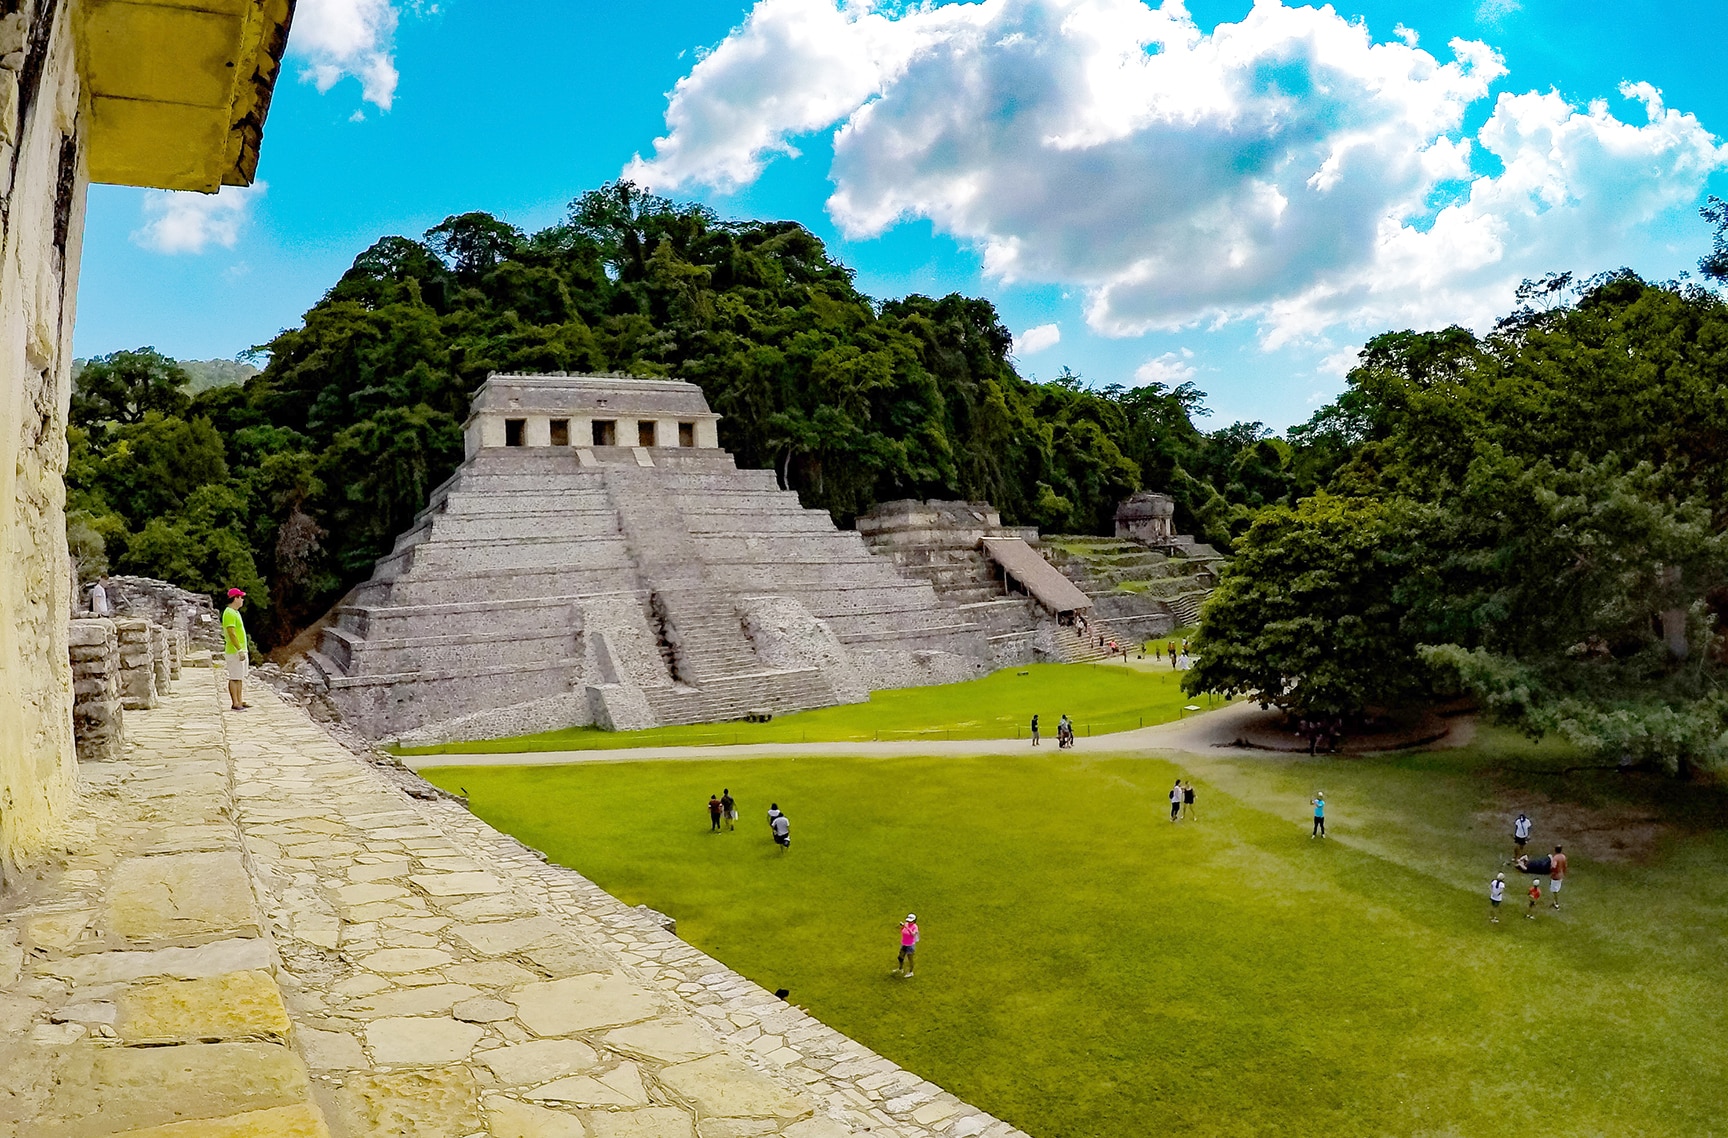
point(1499, 877)
point(911, 916)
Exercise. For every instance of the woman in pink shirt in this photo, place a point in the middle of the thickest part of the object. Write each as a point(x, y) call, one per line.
point(908, 944)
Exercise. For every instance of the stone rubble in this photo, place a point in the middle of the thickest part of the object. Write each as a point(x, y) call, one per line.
point(405, 969)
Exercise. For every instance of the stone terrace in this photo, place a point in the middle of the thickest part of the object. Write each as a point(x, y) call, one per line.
point(255, 932)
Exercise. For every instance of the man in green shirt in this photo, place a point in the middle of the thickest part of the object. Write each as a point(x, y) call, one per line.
point(234, 653)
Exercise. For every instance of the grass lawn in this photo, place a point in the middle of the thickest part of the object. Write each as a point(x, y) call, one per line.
point(1100, 698)
point(1091, 971)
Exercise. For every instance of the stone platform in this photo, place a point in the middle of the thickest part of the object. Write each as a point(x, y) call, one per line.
point(251, 931)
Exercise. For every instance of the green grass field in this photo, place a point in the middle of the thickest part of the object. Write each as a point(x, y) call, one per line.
point(1100, 698)
point(1090, 970)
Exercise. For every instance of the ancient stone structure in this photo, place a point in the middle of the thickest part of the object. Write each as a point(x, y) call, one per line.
point(598, 559)
point(98, 724)
point(136, 92)
point(1147, 517)
point(174, 608)
point(137, 664)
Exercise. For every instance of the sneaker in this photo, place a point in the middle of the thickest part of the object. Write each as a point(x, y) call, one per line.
point(1556, 904)
point(908, 975)
point(1493, 920)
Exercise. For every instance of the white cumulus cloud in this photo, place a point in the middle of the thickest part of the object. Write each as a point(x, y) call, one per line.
point(1171, 369)
point(1037, 339)
point(177, 221)
point(340, 38)
point(1287, 169)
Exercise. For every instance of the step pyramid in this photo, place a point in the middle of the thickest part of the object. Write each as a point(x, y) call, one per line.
point(597, 558)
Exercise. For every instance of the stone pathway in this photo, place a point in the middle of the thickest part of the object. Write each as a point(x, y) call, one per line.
point(259, 928)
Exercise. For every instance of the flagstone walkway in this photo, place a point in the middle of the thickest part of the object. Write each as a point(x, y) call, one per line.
point(257, 933)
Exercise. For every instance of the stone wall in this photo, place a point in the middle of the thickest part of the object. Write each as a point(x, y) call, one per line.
point(43, 174)
point(97, 719)
point(168, 605)
point(138, 688)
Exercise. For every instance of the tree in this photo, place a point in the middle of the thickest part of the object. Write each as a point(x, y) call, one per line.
point(123, 387)
point(1308, 614)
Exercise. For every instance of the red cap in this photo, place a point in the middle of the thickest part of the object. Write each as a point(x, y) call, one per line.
point(236, 592)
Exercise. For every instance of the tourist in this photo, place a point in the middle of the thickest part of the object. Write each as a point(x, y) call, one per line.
point(234, 654)
point(1496, 893)
point(1171, 648)
point(1176, 800)
point(1520, 833)
point(908, 945)
point(1064, 731)
point(714, 809)
point(1319, 804)
point(1188, 801)
point(729, 809)
point(1034, 730)
point(1535, 898)
point(1556, 875)
point(782, 827)
point(1183, 663)
point(99, 605)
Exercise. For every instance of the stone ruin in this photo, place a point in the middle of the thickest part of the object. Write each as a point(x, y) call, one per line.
point(1147, 517)
point(597, 558)
point(126, 662)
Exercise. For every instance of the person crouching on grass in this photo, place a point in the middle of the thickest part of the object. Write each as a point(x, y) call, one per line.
point(908, 945)
point(782, 828)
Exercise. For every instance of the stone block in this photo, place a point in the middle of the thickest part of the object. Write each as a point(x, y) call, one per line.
point(109, 1090)
point(726, 1086)
point(538, 1061)
point(501, 938)
point(420, 1040)
point(650, 1122)
point(619, 1087)
point(581, 1003)
point(331, 1050)
point(212, 959)
point(236, 1007)
point(180, 897)
point(302, 1121)
point(434, 1102)
point(663, 1040)
point(507, 1118)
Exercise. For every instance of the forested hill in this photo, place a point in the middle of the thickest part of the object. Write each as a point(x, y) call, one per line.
point(294, 482)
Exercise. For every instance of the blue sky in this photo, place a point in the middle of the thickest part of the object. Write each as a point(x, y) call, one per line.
point(1237, 198)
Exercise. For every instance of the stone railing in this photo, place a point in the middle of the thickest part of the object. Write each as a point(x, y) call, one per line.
point(97, 720)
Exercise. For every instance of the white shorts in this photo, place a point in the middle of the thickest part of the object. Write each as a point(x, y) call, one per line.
point(1554, 884)
point(236, 663)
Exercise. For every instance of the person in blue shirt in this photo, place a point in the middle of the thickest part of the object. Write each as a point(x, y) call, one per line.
point(1319, 804)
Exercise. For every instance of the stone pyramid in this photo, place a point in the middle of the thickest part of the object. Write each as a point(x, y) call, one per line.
point(597, 558)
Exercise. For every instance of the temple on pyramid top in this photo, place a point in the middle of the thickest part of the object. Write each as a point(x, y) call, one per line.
point(609, 417)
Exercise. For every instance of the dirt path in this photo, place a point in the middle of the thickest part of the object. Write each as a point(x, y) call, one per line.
point(1204, 732)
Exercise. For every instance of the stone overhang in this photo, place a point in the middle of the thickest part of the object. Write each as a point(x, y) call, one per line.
point(179, 89)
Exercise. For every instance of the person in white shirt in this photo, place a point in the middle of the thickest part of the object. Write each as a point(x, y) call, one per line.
point(1176, 800)
point(1496, 894)
point(1520, 833)
point(782, 832)
point(99, 600)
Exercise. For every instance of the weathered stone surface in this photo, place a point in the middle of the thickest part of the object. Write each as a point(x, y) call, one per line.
point(415, 1001)
point(138, 1087)
point(420, 1040)
point(397, 960)
point(727, 1086)
point(621, 1086)
point(581, 1003)
point(235, 1007)
point(651, 1122)
point(502, 937)
point(483, 1010)
point(489, 973)
point(180, 897)
point(507, 1118)
point(457, 884)
point(667, 1040)
point(330, 1050)
point(817, 1128)
point(303, 1121)
point(211, 959)
point(539, 1061)
point(435, 1102)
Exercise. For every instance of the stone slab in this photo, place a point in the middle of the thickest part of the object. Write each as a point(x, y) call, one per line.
point(507, 1118)
point(211, 959)
point(501, 938)
point(107, 1090)
point(726, 1086)
point(303, 1121)
point(666, 1040)
point(538, 1061)
point(650, 1122)
point(432, 1102)
point(234, 1007)
point(420, 1040)
point(152, 900)
point(581, 1003)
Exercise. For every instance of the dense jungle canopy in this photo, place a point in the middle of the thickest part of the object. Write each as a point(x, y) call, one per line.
point(291, 483)
point(1535, 518)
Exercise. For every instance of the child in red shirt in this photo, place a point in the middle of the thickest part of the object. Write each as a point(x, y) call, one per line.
point(1535, 898)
